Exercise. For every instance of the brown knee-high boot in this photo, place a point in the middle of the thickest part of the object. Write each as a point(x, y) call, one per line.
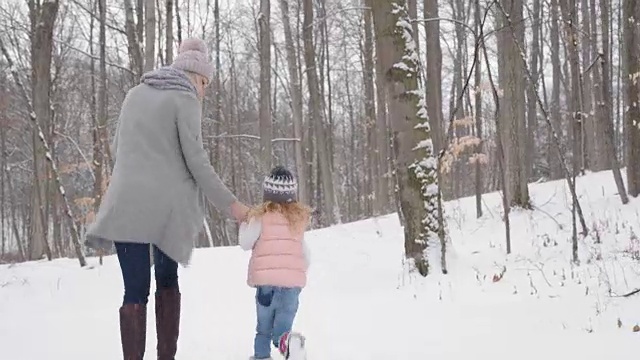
point(167, 322)
point(133, 330)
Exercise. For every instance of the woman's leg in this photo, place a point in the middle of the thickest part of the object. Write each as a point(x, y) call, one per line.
point(136, 273)
point(134, 263)
point(167, 304)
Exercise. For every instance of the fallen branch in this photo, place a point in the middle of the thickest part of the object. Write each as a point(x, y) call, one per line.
point(636, 291)
point(75, 237)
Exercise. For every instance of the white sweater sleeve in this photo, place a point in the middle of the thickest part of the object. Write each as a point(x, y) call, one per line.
point(307, 252)
point(249, 233)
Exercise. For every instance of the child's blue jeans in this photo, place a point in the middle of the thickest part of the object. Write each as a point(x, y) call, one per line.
point(276, 308)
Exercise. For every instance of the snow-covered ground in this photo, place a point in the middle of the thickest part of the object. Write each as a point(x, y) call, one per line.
point(362, 304)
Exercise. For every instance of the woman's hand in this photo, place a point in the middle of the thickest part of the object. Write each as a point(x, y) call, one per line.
point(239, 211)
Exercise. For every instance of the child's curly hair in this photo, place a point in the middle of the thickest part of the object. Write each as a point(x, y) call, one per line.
point(297, 214)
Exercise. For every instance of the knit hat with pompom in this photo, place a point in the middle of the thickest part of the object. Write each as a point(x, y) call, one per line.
point(280, 186)
point(193, 56)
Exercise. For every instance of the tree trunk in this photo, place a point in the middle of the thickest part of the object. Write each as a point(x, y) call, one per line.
point(265, 86)
point(598, 160)
point(434, 73)
point(555, 167)
point(532, 90)
point(3, 162)
point(296, 102)
point(632, 115)
point(575, 95)
point(178, 21)
point(169, 32)
point(589, 143)
point(513, 109)
point(101, 126)
point(372, 185)
point(43, 19)
point(150, 33)
point(134, 36)
point(416, 169)
point(14, 218)
point(502, 178)
point(478, 115)
point(331, 215)
point(382, 129)
point(47, 153)
point(610, 157)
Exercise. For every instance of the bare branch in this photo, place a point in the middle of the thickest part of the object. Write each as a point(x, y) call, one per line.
point(247, 136)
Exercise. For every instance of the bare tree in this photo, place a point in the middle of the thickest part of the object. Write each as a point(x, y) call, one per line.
point(610, 158)
point(47, 155)
point(296, 101)
point(555, 167)
point(150, 33)
point(416, 164)
point(332, 211)
point(169, 31)
point(265, 84)
point(101, 125)
point(434, 71)
point(43, 18)
point(478, 113)
point(632, 114)
point(372, 185)
point(134, 37)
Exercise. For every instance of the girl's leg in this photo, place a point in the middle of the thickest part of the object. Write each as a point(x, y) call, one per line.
point(286, 301)
point(134, 263)
point(265, 314)
point(167, 304)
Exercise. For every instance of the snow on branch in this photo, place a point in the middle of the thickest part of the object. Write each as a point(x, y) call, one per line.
point(424, 168)
point(248, 136)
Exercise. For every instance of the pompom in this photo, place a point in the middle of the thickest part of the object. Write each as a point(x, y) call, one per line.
point(281, 173)
point(193, 44)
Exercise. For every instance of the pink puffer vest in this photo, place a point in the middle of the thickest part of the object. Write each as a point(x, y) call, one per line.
point(278, 256)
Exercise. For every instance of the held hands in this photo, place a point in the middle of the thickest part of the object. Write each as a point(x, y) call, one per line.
point(239, 211)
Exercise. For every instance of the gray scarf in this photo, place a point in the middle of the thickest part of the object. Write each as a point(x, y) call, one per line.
point(168, 78)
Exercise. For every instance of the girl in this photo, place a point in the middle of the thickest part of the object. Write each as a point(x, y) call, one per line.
point(278, 265)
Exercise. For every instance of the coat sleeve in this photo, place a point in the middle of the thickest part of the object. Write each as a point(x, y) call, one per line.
point(306, 252)
point(189, 121)
point(249, 232)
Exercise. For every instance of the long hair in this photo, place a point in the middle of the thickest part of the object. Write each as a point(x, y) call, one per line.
point(297, 214)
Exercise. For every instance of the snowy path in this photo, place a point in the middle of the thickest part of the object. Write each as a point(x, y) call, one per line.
point(359, 305)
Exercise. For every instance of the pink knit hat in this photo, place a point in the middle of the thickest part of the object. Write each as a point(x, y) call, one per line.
point(193, 56)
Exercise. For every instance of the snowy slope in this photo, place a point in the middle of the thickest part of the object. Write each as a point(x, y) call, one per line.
point(361, 303)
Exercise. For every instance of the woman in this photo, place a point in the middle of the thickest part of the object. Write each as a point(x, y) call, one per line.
point(155, 194)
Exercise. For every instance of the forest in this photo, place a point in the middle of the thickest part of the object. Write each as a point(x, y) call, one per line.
point(378, 106)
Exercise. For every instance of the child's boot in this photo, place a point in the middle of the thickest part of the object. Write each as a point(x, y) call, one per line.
point(291, 346)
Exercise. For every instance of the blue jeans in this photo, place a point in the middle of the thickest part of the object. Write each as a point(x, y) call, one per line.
point(135, 263)
point(276, 308)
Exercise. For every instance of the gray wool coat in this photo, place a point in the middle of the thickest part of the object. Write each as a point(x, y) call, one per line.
point(161, 170)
